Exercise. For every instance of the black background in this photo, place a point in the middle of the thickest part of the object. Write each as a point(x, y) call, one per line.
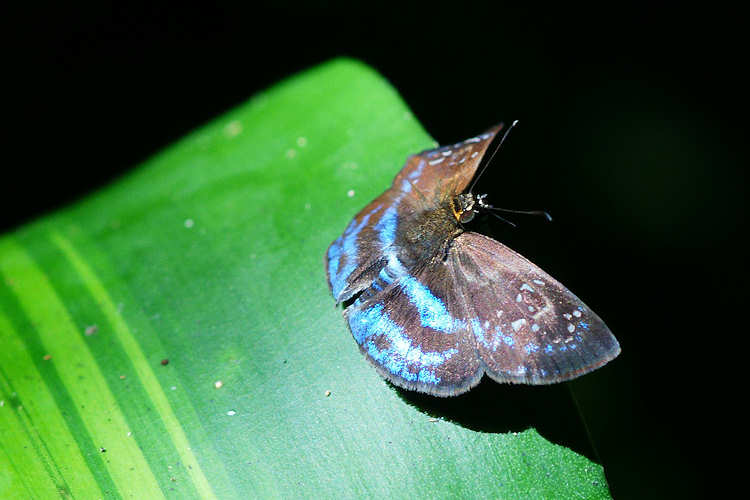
point(632, 122)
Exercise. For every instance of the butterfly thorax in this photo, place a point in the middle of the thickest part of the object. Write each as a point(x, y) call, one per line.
point(427, 234)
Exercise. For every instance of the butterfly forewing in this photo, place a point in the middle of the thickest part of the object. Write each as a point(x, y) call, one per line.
point(448, 169)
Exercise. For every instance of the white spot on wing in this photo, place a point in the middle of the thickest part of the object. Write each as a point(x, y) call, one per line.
point(538, 282)
point(577, 313)
point(527, 287)
point(435, 162)
point(518, 298)
point(517, 324)
point(571, 328)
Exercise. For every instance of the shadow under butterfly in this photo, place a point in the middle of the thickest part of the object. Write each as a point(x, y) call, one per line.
point(434, 307)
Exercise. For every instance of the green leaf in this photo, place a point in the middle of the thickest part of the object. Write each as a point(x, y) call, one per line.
point(210, 256)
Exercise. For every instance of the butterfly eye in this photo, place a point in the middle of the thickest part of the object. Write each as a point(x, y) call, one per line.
point(466, 216)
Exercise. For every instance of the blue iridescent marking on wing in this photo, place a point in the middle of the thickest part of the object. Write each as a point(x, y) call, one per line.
point(406, 184)
point(386, 227)
point(401, 353)
point(385, 277)
point(417, 171)
point(508, 339)
point(476, 327)
point(334, 257)
point(531, 347)
point(345, 246)
point(432, 310)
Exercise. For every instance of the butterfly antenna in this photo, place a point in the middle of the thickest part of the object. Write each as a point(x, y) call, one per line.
point(502, 218)
point(502, 140)
point(525, 212)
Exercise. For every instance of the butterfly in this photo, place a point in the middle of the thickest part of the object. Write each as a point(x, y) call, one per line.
point(434, 306)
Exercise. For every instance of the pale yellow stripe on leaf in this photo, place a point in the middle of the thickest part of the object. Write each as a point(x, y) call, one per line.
point(48, 439)
point(143, 369)
point(79, 372)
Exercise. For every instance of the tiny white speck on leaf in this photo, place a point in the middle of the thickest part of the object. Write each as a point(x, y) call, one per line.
point(308, 206)
point(302, 141)
point(350, 193)
point(189, 223)
point(90, 330)
point(174, 387)
point(2, 403)
point(130, 433)
point(291, 153)
point(328, 393)
point(218, 384)
point(231, 413)
point(233, 128)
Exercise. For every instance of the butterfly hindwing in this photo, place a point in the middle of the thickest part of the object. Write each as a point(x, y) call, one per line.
point(409, 325)
point(528, 327)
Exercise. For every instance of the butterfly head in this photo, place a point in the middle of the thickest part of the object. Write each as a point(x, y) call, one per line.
point(466, 205)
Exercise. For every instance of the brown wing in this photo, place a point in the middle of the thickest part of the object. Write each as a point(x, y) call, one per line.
point(528, 327)
point(412, 328)
point(453, 167)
